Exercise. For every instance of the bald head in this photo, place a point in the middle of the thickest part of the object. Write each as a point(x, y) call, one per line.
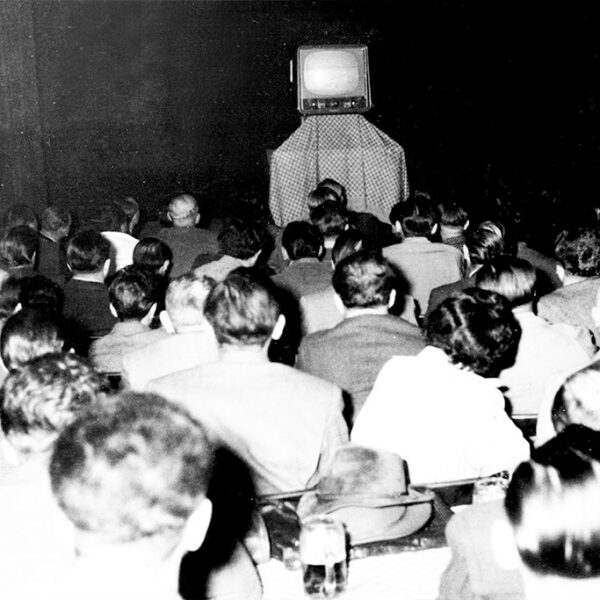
point(183, 211)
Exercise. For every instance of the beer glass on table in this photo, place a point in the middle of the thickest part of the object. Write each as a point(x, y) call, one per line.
point(323, 556)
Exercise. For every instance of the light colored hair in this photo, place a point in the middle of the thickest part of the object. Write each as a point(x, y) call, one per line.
point(183, 210)
point(185, 298)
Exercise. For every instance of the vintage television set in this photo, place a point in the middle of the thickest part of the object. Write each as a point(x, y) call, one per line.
point(333, 79)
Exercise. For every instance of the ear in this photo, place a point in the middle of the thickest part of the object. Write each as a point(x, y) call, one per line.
point(392, 299)
point(504, 549)
point(149, 315)
point(560, 271)
point(278, 329)
point(106, 267)
point(252, 260)
point(466, 225)
point(33, 256)
point(113, 311)
point(434, 229)
point(397, 227)
point(197, 220)
point(17, 308)
point(165, 321)
point(169, 217)
point(196, 526)
point(284, 253)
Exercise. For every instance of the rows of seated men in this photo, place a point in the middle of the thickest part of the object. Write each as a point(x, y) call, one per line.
point(426, 337)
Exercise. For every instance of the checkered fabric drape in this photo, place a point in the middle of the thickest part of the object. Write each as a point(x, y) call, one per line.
point(347, 148)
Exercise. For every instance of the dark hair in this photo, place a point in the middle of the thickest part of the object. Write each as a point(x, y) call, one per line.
point(132, 466)
point(241, 309)
point(336, 186)
point(453, 214)
point(302, 240)
point(331, 218)
point(363, 280)
point(477, 329)
point(514, 278)
point(578, 251)
point(321, 194)
point(56, 219)
point(485, 241)
point(87, 251)
point(552, 504)
point(577, 401)
point(131, 292)
point(30, 333)
point(241, 239)
point(18, 246)
point(347, 242)
point(417, 216)
point(41, 293)
point(150, 252)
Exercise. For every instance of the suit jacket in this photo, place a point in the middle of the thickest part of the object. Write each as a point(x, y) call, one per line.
point(572, 304)
point(352, 353)
point(305, 276)
point(169, 354)
point(425, 265)
point(441, 292)
point(281, 421)
point(106, 353)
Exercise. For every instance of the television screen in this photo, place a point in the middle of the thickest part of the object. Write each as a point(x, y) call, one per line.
point(333, 79)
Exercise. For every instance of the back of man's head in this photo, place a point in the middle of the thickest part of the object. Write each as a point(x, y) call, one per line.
point(453, 215)
point(41, 293)
point(30, 333)
point(416, 216)
point(185, 298)
point(578, 251)
point(132, 293)
point(337, 187)
point(56, 221)
point(241, 309)
point(330, 218)
point(348, 242)
point(241, 239)
point(321, 194)
point(45, 395)
point(485, 241)
point(18, 246)
point(302, 240)
point(133, 468)
point(87, 252)
point(183, 211)
point(514, 278)
point(363, 280)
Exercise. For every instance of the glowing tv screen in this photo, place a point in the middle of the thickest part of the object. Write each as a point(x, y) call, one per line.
point(333, 79)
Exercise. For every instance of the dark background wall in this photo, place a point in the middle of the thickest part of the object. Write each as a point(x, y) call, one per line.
point(111, 98)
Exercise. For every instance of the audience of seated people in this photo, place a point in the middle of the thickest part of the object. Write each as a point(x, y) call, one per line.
point(424, 263)
point(236, 395)
point(439, 386)
point(352, 353)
